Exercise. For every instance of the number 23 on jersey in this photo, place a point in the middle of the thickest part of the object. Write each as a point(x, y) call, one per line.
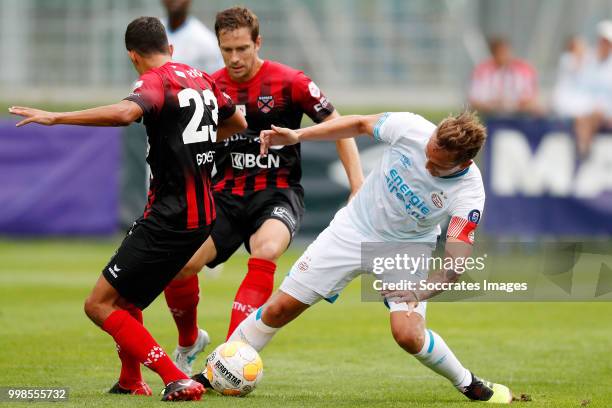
point(193, 133)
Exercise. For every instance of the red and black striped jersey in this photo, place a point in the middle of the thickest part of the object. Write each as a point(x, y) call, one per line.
point(182, 107)
point(277, 95)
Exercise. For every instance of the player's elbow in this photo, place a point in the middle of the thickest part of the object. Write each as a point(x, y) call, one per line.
point(365, 124)
point(362, 124)
point(123, 118)
point(125, 113)
point(123, 122)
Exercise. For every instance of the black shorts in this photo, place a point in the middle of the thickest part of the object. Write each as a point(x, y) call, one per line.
point(239, 217)
point(149, 258)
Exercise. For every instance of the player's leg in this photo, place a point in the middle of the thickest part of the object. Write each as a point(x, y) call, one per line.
point(182, 297)
point(183, 293)
point(103, 308)
point(323, 270)
point(432, 351)
point(275, 217)
point(144, 264)
point(260, 326)
point(428, 347)
point(270, 241)
point(130, 378)
point(266, 245)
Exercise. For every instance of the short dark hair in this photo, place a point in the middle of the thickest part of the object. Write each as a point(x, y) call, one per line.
point(146, 35)
point(235, 18)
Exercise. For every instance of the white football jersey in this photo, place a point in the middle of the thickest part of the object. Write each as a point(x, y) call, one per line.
point(195, 45)
point(400, 200)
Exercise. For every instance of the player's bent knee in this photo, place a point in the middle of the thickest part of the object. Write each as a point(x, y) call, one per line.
point(409, 338)
point(93, 310)
point(277, 314)
point(98, 309)
point(269, 251)
point(188, 271)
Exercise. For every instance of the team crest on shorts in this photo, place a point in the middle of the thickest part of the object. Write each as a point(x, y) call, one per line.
point(265, 103)
point(304, 264)
point(284, 215)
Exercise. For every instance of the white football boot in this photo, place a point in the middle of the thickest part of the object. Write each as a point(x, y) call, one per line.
point(185, 356)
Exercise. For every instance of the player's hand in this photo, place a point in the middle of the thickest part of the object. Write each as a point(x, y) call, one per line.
point(276, 136)
point(400, 295)
point(407, 296)
point(32, 115)
point(411, 307)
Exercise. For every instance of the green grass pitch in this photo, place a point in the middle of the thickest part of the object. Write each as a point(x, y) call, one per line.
point(339, 355)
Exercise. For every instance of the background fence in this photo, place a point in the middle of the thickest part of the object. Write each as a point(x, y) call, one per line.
point(368, 56)
point(388, 52)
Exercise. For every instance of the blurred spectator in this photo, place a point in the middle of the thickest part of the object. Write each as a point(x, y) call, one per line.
point(504, 84)
point(599, 82)
point(194, 44)
point(571, 96)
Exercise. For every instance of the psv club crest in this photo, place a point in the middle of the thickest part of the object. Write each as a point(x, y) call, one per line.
point(265, 103)
point(436, 199)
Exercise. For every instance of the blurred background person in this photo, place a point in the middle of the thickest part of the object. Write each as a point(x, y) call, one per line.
point(194, 44)
point(599, 83)
point(570, 97)
point(504, 84)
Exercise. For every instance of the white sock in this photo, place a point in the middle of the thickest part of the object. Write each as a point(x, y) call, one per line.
point(254, 331)
point(436, 355)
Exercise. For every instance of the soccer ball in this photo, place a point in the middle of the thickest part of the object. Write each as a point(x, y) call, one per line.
point(234, 368)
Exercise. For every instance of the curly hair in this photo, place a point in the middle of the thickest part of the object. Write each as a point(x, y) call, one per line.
point(237, 17)
point(463, 134)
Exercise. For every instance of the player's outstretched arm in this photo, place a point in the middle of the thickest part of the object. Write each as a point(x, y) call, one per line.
point(349, 156)
point(119, 114)
point(341, 128)
point(232, 125)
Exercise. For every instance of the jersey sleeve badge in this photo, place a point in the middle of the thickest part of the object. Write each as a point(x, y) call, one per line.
point(315, 92)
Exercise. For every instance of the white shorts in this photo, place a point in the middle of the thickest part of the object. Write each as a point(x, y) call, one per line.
point(331, 262)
